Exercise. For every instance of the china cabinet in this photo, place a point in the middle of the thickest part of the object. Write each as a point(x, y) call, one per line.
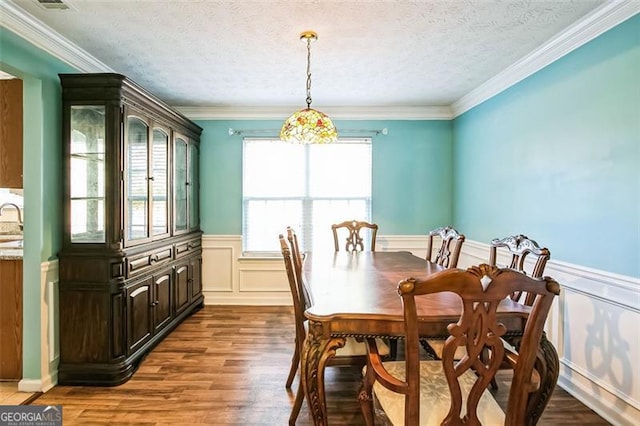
point(130, 265)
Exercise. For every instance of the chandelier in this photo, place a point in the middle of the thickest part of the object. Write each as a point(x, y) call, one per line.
point(308, 125)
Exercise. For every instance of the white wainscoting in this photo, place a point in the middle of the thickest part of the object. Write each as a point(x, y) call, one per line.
point(593, 324)
point(49, 340)
point(230, 279)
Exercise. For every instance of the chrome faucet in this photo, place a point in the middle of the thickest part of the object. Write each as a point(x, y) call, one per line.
point(15, 206)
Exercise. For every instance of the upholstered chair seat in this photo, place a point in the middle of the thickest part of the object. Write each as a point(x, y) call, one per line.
point(434, 396)
point(416, 392)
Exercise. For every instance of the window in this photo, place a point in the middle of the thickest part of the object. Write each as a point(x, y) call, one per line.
point(307, 187)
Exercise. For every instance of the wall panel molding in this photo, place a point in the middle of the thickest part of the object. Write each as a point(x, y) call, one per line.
point(590, 326)
point(49, 334)
point(586, 325)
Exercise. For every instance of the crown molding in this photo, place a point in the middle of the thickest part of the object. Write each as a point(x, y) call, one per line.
point(602, 19)
point(335, 112)
point(36, 32)
point(592, 25)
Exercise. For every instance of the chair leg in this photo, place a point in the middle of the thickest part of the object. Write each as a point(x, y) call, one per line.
point(393, 349)
point(429, 350)
point(297, 405)
point(365, 398)
point(295, 362)
point(493, 384)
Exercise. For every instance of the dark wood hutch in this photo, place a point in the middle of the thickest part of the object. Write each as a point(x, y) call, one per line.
point(130, 264)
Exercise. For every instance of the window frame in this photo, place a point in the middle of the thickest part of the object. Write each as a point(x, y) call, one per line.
point(305, 231)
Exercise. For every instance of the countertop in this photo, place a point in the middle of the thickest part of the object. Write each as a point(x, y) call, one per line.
point(11, 250)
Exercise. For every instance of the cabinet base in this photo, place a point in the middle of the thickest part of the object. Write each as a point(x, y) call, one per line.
point(117, 373)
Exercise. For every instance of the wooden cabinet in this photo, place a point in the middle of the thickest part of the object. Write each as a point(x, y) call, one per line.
point(139, 308)
point(11, 133)
point(131, 226)
point(188, 274)
point(10, 319)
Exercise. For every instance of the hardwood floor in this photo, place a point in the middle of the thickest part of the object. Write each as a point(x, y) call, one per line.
point(227, 365)
point(10, 395)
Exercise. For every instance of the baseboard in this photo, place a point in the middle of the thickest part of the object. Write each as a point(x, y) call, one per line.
point(598, 361)
point(269, 299)
point(605, 404)
point(593, 310)
point(38, 385)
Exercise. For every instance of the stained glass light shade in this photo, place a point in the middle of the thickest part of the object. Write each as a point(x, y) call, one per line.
point(308, 126)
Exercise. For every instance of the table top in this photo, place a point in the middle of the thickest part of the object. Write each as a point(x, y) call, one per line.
point(358, 292)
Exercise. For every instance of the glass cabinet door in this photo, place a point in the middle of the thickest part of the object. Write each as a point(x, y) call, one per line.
point(194, 187)
point(160, 170)
point(180, 184)
point(137, 184)
point(86, 174)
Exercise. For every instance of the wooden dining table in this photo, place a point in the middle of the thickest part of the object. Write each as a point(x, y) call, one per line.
point(355, 295)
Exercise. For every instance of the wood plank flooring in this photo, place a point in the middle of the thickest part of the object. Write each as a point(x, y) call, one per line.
point(227, 365)
point(10, 395)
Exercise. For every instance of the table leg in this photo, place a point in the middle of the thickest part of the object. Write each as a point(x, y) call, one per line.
point(317, 351)
point(548, 364)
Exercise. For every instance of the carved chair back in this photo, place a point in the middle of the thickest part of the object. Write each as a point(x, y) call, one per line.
point(293, 262)
point(481, 289)
point(298, 260)
point(521, 247)
point(448, 253)
point(296, 293)
point(354, 240)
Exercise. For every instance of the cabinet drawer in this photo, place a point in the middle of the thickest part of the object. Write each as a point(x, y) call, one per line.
point(141, 262)
point(187, 247)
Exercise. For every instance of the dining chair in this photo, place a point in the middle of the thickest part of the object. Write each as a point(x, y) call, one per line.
point(448, 252)
point(520, 247)
point(354, 240)
point(353, 352)
point(298, 259)
point(447, 255)
point(414, 392)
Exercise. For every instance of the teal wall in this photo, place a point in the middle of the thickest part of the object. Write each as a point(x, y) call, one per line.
point(412, 173)
point(42, 176)
point(557, 157)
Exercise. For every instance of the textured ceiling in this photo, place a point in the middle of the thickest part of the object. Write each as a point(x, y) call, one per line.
point(369, 53)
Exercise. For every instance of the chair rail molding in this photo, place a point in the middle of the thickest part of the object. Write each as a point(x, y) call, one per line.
point(598, 361)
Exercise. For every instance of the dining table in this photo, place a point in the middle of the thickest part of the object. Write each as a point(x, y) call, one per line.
point(354, 294)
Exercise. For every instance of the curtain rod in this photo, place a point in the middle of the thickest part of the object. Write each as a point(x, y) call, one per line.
point(233, 132)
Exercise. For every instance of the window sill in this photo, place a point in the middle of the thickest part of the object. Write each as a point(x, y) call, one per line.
point(259, 256)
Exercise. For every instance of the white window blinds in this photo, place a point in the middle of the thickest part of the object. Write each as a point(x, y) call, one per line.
point(307, 187)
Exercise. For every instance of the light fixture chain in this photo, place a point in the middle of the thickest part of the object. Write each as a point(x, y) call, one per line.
point(308, 73)
point(308, 125)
